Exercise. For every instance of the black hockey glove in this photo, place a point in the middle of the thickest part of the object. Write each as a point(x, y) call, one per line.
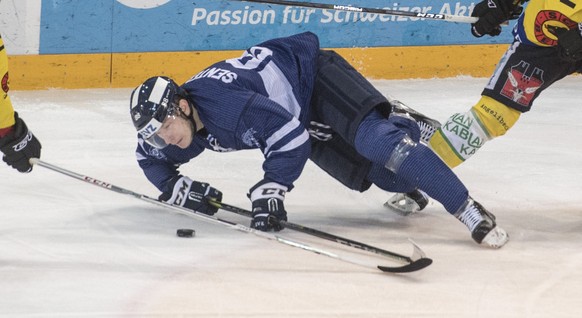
point(19, 146)
point(491, 14)
point(191, 194)
point(569, 42)
point(319, 131)
point(268, 209)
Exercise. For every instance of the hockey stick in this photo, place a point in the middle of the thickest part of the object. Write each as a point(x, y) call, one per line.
point(215, 220)
point(350, 8)
point(416, 262)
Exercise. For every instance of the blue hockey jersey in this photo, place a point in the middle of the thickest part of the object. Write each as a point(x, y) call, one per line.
point(257, 101)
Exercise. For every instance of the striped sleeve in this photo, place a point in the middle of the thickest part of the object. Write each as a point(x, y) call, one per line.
point(282, 138)
point(160, 165)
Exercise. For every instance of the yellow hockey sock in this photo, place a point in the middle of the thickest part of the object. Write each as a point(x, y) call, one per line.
point(463, 134)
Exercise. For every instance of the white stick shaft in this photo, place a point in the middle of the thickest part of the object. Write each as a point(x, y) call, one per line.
point(198, 215)
point(351, 8)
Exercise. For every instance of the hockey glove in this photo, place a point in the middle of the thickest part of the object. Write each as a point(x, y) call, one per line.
point(191, 194)
point(569, 42)
point(319, 131)
point(268, 209)
point(19, 146)
point(491, 14)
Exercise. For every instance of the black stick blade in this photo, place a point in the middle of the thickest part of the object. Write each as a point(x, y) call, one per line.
point(411, 267)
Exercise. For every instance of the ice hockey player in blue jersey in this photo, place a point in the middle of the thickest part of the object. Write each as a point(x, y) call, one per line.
point(293, 102)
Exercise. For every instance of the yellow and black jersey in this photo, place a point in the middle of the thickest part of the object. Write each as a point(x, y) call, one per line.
point(538, 14)
point(6, 110)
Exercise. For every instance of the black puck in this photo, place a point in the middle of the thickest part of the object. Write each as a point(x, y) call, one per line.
point(185, 232)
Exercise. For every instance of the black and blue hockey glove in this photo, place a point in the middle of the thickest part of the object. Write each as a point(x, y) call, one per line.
point(492, 13)
point(268, 209)
point(19, 146)
point(569, 42)
point(190, 194)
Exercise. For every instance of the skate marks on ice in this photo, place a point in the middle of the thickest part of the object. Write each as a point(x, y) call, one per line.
point(89, 253)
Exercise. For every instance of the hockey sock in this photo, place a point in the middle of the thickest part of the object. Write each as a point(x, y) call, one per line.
point(463, 134)
point(426, 171)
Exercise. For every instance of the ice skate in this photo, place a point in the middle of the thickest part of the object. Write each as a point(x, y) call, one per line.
point(482, 225)
point(407, 203)
point(427, 125)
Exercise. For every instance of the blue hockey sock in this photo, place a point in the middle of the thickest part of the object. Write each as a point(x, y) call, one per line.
point(424, 169)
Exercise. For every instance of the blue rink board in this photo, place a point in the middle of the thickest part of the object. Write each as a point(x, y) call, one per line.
point(117, 26)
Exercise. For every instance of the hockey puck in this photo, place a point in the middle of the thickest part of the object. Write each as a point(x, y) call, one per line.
point(185, 232)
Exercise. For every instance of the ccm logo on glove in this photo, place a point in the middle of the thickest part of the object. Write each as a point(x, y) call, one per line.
point(184, 193)
point(268, 208)
point(19, 146)
point(194, 195)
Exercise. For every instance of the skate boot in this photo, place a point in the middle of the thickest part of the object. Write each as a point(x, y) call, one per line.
point(482, 225)
point(408, 203)
point(427, 125)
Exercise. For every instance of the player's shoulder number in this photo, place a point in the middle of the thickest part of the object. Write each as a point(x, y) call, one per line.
point(251, 59)
point(569, 3)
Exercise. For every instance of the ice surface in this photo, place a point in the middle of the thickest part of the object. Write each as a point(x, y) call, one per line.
point(70, 249)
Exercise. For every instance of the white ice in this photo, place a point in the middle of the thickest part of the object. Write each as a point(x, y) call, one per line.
point(71, 249)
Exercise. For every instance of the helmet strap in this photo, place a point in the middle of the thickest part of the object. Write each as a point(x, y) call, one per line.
point(191, 117)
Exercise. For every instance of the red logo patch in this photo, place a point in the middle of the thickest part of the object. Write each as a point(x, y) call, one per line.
point(5, 83)
point(521, 85)
point(542, 18)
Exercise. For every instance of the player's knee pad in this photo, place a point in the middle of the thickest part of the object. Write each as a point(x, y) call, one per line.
point(342, 162)
point(463, 134)
point(400, 154)
point(342, 96)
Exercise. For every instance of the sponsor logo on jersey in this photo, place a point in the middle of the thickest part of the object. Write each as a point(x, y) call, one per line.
point(522, 83)
point(213, 142)
point(249, 139)
point(546, 18)
point(156, 153)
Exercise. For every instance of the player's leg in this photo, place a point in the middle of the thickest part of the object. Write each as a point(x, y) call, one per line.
point(401, 164)
point(521, 75)
point(341, 161)
point(390, 147)
point(357, 113)
point(428, 126)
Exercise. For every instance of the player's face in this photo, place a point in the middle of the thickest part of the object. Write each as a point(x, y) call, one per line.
point(177, 130)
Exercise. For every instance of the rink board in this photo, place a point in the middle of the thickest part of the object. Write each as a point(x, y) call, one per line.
point(127, 70)
point(105, 43)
